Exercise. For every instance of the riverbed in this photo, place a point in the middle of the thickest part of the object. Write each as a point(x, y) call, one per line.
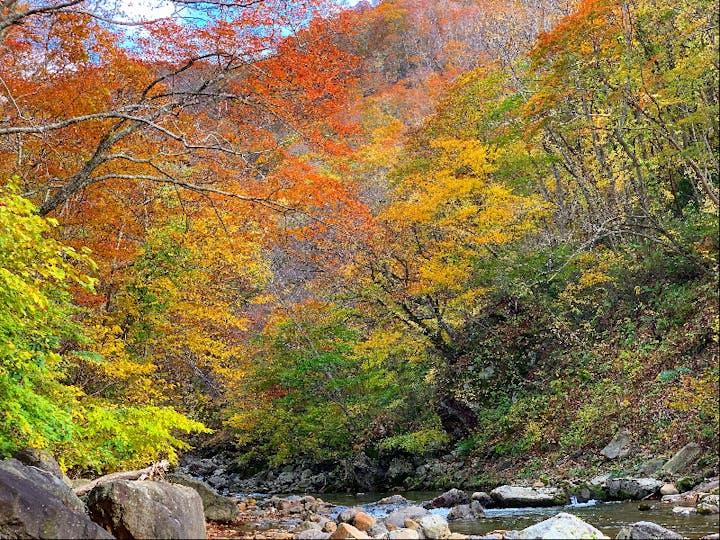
point(608, 517)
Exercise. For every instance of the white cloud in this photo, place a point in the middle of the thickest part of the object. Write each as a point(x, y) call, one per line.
point(146, 10)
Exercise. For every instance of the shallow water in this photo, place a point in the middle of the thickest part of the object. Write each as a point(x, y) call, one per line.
point(608, 517)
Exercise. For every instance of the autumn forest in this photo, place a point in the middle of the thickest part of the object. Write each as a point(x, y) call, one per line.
point(303, 229)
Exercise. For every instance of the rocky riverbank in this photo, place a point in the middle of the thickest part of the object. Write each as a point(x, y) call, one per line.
point(401, 473)
point(38, 501)
point(394, 517)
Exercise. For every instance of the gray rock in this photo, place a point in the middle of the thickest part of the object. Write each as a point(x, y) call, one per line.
point(398, 517)
point(215, 506)
point(434, 527)
point(618, 447)
point(36, 504)
point(632, 488)
point(685, 457)
point(519, 496)
point(448, 499)
point(133, 509)
point(42, 459)
point(646, 530)
point(47, 480)
point(562, 525)
point(466, 512)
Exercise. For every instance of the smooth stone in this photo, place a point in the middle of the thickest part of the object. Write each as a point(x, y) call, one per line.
point(646, 530)
point(562, 525)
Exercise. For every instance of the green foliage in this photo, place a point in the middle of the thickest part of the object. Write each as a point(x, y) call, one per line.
point(40, 407)
point(36, 316)
point(425, 441)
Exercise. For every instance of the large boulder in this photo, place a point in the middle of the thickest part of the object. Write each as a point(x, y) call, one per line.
point(519, 496)
point(215, 506)
point(47, 480)
point(632, 488)
point(398, 517)
point(448, 499)
point(646, 530)
point(685, 457)
point(562, 525)
point(36, 504)
point(133, 509)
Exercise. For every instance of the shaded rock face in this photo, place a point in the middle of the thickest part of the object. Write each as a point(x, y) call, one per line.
point(36, 504)
point(132, 509)
point(646, 530)
point(456, 417)
point(562, 525)
point(518, 496)
point(632, 488)
point(47, 481)
point(216, 507)
point(366, 473)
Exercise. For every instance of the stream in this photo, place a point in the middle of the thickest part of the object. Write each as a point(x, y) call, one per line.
point(608, 517)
